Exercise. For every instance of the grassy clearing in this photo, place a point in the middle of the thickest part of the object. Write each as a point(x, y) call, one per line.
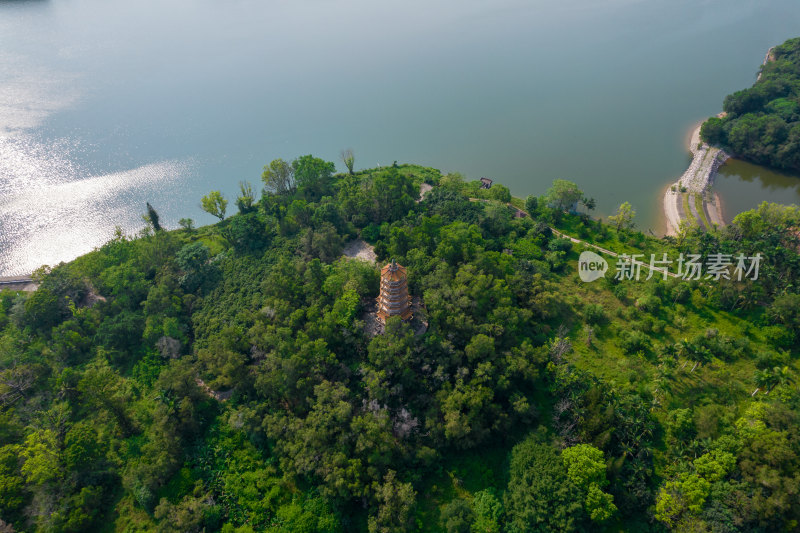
point(725, 382)
point(685, 199)
point(698, 203)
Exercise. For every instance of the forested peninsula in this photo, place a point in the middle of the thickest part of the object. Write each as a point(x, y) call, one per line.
point(762, 123)
point(223, 378)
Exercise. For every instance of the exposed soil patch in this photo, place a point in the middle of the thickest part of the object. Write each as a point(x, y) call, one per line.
point(424, 189)
point(360, 249)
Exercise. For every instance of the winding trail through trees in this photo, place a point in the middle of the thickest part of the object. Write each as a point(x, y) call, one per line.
point(585, 243)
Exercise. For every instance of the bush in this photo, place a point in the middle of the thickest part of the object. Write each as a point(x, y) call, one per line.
point(457, 517)
point(621, 292)
point(371, 233)
point(769, 360)
point(634, 341)
point(649, 303)
point(595, 314)
point(539, 495)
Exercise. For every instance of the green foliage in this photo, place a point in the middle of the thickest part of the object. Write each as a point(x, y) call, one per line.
point(634, 341)
point(715, 465)
point(214, 204)
point(193, 261)
point(245, 202)
point(278, 177)
point(563, 195)
point(395, 503)
point(678, 498)
point(585, 465)
point(247, 233)
point(457, 517)
point(44, 309)
point(187, 224)
point(586, 469)
point(224, 378)
point(313, 176)
point(488, 509)
point(623, 218)
point(152, 218)
point(762, 123)
point(349, 159)
point(540, 496)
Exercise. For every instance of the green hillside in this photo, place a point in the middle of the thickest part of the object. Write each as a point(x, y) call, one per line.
point(223, 378)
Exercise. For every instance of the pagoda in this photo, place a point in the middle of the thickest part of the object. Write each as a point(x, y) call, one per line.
point(394, 299)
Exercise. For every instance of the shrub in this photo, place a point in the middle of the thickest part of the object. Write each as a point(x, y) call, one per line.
point(634, 341)
point(595, 314)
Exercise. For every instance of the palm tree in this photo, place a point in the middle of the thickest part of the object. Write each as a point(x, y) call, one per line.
point(781, 375)
point(684, 348)
point(764, 380)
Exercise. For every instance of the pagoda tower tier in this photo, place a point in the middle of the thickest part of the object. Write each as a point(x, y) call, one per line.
point(394, 299)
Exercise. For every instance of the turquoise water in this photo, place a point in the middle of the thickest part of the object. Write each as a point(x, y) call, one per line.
point(105, 105)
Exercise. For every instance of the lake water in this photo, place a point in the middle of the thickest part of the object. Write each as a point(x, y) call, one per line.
point(105, 104)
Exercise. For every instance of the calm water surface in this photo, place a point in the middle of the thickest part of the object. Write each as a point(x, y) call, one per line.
point(105, 104)
point(743, 186)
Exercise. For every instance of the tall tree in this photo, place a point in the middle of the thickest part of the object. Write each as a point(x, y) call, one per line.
point(395, 505)
point(349, 159)
point(152, 218)
point(278, 176)
point(586, 469)
point(563, 195)
point(246, 200)
point(540, 497)
point(313, 176)
point(623, 218)
point(215, 204)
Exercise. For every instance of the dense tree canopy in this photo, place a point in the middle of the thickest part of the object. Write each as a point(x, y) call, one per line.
point(762, 123)
point(225, 378)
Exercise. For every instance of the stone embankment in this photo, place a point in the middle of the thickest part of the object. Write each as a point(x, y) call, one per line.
point(693, 190)
point(694, 187)
point(18, 283)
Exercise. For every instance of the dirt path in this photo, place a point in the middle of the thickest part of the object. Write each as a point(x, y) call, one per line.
point(588, 244)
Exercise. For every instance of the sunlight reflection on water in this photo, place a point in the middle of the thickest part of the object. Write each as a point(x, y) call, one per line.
point(51, 208)
point(50, 213)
